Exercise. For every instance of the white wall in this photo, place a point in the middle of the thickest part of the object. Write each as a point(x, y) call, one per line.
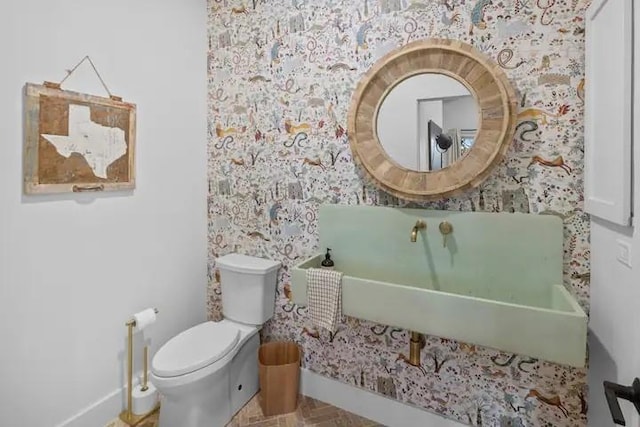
point(614, 340)
point(613, 323)
point(73, 268)
point(397, 125)
point(460, 113)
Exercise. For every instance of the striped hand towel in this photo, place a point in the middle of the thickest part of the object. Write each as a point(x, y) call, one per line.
point(324, 290)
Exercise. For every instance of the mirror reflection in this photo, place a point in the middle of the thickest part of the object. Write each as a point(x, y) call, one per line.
point(428, 122)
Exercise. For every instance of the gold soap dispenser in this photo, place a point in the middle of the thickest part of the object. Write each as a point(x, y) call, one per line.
point(327, 262)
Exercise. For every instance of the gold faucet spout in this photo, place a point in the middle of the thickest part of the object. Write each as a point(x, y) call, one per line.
point(420, 225)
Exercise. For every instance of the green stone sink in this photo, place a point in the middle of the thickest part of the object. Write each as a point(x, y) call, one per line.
point(496, 283)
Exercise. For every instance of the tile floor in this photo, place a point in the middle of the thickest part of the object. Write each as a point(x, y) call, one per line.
point(310, 412)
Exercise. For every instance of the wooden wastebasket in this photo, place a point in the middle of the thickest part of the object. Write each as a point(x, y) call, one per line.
point(279, 364)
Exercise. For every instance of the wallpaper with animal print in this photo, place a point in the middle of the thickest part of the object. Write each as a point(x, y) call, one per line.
point(281, 76)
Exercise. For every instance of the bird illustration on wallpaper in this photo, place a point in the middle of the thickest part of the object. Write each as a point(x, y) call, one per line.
point(258, 235)
point(477, 15)
point(449, 20)
point(361, 37)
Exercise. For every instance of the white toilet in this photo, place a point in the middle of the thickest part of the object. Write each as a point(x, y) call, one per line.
point(208, 372)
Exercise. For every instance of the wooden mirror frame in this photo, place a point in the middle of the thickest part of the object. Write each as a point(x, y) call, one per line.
point(482, 76)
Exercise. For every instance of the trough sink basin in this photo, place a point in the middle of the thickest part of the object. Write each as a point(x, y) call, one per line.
point(497, 282)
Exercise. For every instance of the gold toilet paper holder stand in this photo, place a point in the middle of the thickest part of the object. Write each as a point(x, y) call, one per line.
point(127, 416)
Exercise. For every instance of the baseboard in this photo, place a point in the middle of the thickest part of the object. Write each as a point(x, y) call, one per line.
point(98, 413)
point(373, 406)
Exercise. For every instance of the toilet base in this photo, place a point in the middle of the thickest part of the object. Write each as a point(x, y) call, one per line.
point(214, 400)
point(207, 411)
point(243, 379)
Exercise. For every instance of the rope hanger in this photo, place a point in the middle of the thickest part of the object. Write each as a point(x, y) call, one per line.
point(71, 71)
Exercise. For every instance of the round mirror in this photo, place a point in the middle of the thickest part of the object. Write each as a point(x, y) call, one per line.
point(431, 119)
point(428, 122)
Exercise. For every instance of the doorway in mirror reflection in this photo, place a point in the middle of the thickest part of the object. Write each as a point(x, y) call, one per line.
point(428, 122)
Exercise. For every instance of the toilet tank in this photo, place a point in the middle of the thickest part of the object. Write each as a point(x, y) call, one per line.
point(248, 288)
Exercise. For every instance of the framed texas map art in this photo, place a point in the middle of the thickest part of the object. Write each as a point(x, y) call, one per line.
point(76, 142)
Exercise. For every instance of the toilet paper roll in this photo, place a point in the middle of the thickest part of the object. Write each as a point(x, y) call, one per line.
point(144, 401)
point(144, 318)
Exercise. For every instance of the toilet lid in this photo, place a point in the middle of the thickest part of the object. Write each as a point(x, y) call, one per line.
point(195, 348)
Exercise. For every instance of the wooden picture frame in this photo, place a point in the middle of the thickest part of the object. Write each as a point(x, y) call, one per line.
point(75, 142)
point(485, 80)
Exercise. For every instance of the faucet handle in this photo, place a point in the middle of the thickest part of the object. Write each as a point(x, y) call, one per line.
point(445, 228)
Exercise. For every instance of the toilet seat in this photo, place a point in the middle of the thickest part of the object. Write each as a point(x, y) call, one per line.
point(195, 348)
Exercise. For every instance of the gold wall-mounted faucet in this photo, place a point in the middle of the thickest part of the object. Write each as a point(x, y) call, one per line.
point(420, 225)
